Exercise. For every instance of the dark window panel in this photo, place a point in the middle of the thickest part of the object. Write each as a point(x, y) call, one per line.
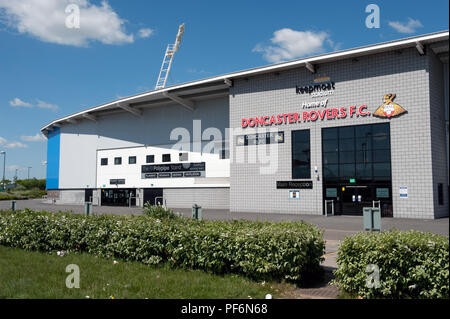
point(331, 171)
point(381, 169)
point(330, 158)
point(382, 156)
point(330, 133)
point(301, 157)
point(363, 144)
point(132, 160)
point(117, 160)
point(347, 170)
point(363, 157)
point(347, 144)
point(150, 158)
point(330, 146)
point(364, 171)
point(166, 158)
point(346, 157)
point(347, 132)
point(104, 161)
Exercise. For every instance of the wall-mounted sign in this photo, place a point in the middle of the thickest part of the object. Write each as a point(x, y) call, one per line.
point(403, 191)
point(331, 192)
point(117, 181)
point(294, 184)
point(173, 170)
point(294, 194)
point(321, 87)
point(382, 192)
point(389, 108)
point(305, 116)
point(260, 138)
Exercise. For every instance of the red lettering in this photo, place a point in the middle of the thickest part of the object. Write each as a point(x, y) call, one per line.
point(264, 120)
point(251, 122)
point(361, 112)
point(272, 120)
point(279, 119)
point(313, 115)
point(291, 118)
point(296, 117)
point(284, 117)
point(321, 114)
point(329, 114)
point(352, 110)
point(343, 112)
point(334, 113)
point(244, 123)
point(305, 116)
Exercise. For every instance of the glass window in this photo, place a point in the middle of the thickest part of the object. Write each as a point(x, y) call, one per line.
point(441, 194)
point(347, 170)
point(363, 131)
point(380, 141)
point(330, 146)
point(330, 133)
point(382, 169)
point(382, 156)
point(104, 161)
point(331, 171)
point(117, 160)
point(301, 154)
point(363, 157)
point(331, 158)
point(132, 160)
point(150, 159)
point(166, 158)
point(364, 170)
point(346, 157)
point(363, 144)
point(347, 144)
point(347, 132)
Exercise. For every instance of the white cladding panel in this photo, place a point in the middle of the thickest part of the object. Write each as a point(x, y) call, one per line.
point(80, 142)
point(217, 171)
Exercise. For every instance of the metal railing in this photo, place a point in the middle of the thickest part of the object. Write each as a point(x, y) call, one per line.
point(329, 201)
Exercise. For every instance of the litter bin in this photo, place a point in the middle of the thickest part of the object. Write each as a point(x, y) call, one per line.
point(372, 218)
point(197, 212)
point(88, 208)
point(13, 205)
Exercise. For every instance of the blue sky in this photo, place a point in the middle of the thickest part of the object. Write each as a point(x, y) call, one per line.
point(48, 70)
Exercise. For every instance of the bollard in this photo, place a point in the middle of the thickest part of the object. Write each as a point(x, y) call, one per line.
point(13, 205)
point(88, 208)
point(197, 212)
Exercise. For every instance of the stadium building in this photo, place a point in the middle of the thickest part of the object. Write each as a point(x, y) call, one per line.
point(334, 132)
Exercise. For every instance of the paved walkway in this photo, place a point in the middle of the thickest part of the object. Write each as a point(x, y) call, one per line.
point(335, 228)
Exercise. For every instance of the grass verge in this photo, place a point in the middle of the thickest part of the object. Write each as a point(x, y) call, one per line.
point(26, 274)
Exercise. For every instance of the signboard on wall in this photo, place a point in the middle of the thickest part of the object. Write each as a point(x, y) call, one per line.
point(294, 184)
point(261, 138)
point(173, 170)
point(293, 194)
point(403, 191)
point(117, 181)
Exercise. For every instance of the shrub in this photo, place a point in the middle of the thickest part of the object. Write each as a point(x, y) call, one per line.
point(158, 211)
point(259, 250)
point(411, 264)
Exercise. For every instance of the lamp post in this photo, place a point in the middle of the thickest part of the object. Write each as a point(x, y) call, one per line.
point(4, 167)
point(29, 167)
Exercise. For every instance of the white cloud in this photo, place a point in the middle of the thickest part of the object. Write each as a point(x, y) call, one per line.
point(6, 144)
point(46, 20)
point(33, 138)
point(18, 102)
point(145, 33)
point(45, 105)
point(289, 44)
point(409, 27)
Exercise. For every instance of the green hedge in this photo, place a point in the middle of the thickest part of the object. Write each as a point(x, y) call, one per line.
point(259, 250)
point(411, 264)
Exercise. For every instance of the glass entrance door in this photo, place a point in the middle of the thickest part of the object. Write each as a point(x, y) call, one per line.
point(354, 198)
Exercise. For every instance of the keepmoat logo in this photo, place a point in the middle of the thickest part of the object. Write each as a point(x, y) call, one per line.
point(389, 108)
point(322, 87)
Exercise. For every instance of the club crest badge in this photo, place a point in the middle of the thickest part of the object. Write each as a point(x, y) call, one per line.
point(389, 108)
